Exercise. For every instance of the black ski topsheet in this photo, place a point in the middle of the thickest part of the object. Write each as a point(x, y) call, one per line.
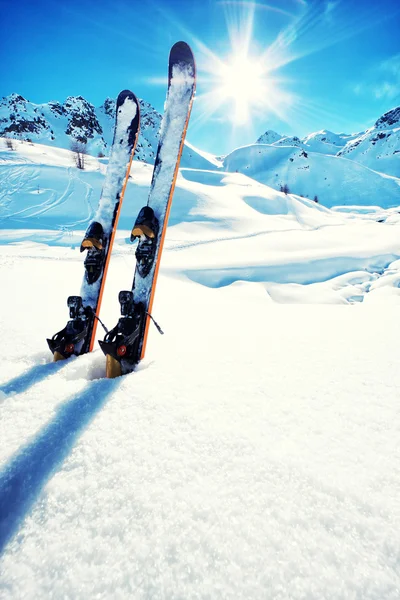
point(125, 344)
point(79, 334)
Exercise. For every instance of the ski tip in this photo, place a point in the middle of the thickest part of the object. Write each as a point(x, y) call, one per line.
point(124, 95)
point(134, 112)
point(181, 52)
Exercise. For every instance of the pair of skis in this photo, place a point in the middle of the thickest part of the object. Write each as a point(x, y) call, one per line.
point(124, 345)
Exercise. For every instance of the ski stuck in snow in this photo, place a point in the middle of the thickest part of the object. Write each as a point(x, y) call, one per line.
point(125, 344)
point(78, 335)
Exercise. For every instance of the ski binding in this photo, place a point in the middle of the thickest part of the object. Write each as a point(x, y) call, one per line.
point(120, 343)
point(70, 340)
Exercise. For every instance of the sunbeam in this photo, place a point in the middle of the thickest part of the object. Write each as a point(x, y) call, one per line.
point(239, 81)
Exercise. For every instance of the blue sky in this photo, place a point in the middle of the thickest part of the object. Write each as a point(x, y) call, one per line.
point(331, 64)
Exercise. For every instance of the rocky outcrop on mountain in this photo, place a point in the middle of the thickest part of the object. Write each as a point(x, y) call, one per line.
point(150, 121)
point(19, 119)
point(390, 119)
point(379, 147)
point(82, 121)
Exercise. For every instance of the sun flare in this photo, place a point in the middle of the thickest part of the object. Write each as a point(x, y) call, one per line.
point(244, 82)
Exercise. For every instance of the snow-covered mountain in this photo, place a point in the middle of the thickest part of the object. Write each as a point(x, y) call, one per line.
point(56, 124)
point(361, 168)
point(77, 119)
point(336, 168)
point(334, 180)
point(324, 141)
point(379, 147)
point(292, 140)
point(327, 142)
point(269, 137)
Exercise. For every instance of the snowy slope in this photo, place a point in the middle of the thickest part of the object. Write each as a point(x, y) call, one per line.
point(379, 147)
point(324, 141)
point(334, 180)
point(327, 142)
point(254, 453)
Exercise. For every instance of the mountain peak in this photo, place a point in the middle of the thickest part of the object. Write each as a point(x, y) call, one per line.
point(269, 137)
point(13, 99)
point(390, 118)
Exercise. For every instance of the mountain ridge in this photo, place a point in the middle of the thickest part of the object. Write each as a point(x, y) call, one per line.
point(60, 124)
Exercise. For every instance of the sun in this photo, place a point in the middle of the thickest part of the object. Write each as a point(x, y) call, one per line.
point(244, 82)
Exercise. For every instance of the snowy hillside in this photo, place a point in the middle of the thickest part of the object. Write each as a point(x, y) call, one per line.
point(313, 171)
point(42, 191)
point(251, 454)
point(334, 180)
point(254, 452)
point(379, 147)
point(326, 142)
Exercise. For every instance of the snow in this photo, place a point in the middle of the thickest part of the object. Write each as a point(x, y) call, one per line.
point(333, 179)
point(254, 453)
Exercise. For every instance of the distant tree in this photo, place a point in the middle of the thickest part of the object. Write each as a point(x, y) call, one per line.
point(79, 152)
point(315, 198)
point(10, 144)
point(285, 189)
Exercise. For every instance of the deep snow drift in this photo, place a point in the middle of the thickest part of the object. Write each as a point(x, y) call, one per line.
point(254, 453)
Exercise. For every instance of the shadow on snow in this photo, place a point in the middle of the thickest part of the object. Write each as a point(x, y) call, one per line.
point(28, 378)
point(22, 480)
